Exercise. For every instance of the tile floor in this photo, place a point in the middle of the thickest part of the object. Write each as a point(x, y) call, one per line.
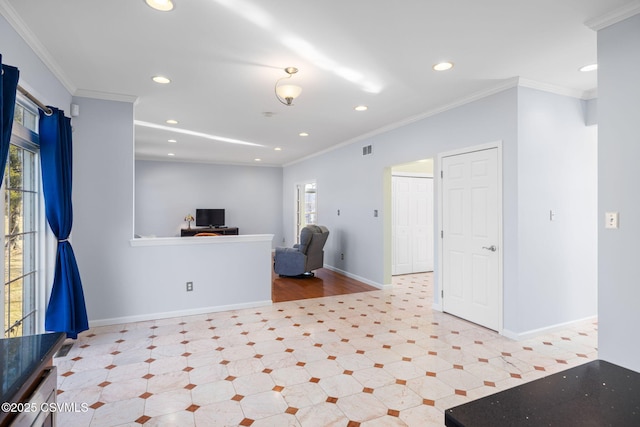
point(380, 358)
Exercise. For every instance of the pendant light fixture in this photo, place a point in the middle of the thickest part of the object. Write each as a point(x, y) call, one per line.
point(286, 93)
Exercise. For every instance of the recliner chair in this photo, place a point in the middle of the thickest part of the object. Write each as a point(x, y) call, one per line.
point(303, 258)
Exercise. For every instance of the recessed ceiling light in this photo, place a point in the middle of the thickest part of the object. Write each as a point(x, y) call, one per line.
point(303, 134)
point(161, 79)
point(443, 66)
point(172, 122)
point(257, 160)
point(590, 67)
point(361, 108)
point(278, 149)
point(161, 5)
point(172, 140)
point(170, 154)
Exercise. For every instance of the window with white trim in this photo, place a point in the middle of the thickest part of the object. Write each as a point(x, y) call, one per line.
point(22, 295)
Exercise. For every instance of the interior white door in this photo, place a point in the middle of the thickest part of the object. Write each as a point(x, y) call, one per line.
point(470, 232)
point(412, 229)
point(401, 229)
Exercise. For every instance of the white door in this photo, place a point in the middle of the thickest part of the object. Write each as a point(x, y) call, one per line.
point(412, 230)
point(470, 237)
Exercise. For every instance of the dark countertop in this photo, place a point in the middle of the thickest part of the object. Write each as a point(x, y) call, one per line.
point(595, 394)
point(22, 360)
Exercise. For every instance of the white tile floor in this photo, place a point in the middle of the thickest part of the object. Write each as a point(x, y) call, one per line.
point(381, 358)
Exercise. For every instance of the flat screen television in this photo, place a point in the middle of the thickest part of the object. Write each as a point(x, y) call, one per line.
point(210, 217)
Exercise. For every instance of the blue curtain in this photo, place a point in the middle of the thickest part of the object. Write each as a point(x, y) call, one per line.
point(8, 87)
point(66, 311)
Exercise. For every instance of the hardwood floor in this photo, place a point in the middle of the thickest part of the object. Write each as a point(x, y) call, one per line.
point(325, 283)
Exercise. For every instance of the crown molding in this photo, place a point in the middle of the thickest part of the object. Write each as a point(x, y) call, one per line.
point(558, 90)
point(500, 87)
point(106, 96)
point(615, 16)
point(41, 52)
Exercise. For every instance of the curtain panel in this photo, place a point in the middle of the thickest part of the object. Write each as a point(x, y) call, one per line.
point(9, 77)
point(66, 311)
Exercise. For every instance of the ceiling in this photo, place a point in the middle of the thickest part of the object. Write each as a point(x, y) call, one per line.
point(224, 56)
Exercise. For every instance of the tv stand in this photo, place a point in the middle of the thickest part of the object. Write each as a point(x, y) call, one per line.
point(225, 231)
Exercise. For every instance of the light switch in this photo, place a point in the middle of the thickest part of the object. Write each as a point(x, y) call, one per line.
point(611, 220)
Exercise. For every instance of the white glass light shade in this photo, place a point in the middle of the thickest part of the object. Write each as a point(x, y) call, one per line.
point(161, 5)
point(288, 92)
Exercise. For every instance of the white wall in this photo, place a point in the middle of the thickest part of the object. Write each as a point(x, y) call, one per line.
point(619, 178)
point(557, 171)
point(559, 279)
point(166, 191)
point(124, 283)
point(358, 185)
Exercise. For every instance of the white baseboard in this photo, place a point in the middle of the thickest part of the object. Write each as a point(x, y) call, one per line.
point(178, 313)
point(520, 336)
point(358, 278)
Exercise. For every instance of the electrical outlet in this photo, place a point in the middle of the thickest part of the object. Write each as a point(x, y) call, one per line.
point(189, 286)
point(342, 257)
point(611, 220)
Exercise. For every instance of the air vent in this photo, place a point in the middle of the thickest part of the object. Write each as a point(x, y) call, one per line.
point(366, 150)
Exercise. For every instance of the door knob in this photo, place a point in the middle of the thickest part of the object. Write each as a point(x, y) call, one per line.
point(491, 248)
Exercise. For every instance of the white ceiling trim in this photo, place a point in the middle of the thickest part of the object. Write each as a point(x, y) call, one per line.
point(558, 90)
point(615, 16)
point(507, 84)
point(18, 24)
point(105, 96)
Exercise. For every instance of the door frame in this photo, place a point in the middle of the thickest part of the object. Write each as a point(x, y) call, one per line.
point(438, 301)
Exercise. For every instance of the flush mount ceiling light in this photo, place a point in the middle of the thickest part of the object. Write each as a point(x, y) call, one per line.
point(161, 5)
point(303, 134)
point(161, 79)
point(361, 108)
point(287, 93)
point(590, 67)
point(172, 140)
point(172, 122)
point(443, 66)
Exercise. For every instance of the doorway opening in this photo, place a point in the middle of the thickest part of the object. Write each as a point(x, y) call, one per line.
point(412, 218)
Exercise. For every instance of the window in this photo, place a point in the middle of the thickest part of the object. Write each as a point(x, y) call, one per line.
point(21, 186)
point(306, 205)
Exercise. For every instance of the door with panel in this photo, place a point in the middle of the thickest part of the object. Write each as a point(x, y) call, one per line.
point(471, 264)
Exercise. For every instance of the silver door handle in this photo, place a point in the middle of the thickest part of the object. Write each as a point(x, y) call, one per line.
point(491, 248)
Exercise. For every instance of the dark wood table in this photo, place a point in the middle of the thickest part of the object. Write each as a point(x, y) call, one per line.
point(595, 394)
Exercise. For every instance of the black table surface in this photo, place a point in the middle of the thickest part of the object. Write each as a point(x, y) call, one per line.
point(595, 394)
point(23, 357)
